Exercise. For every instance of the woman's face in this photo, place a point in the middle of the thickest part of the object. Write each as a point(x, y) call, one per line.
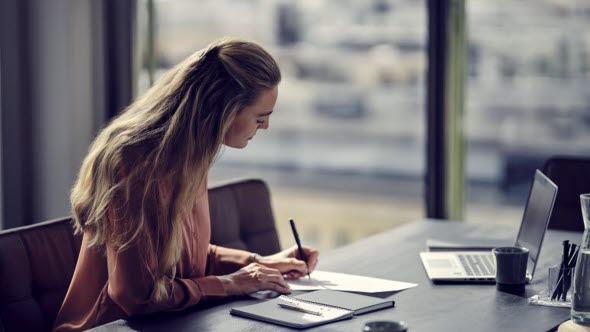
point(250, 119)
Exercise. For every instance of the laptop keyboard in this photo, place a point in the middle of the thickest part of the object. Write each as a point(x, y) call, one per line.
point(478, 264)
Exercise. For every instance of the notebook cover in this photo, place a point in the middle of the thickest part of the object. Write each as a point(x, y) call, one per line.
point(269, 311)
point(357, 303)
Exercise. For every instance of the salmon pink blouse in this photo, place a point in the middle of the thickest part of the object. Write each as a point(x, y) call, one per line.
point(110, 286)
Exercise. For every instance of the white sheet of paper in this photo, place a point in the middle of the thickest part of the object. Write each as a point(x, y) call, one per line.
point(347, 282)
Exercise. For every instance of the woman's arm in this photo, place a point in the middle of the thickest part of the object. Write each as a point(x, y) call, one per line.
point(289, 263)
point(222, 260)
point(130, 286)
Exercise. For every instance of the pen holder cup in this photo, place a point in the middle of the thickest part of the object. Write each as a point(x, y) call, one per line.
point(560, 281)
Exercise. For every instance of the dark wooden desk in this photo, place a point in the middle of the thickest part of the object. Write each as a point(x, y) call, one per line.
point(428, 307)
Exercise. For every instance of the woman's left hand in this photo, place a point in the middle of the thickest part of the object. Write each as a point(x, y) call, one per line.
point(290, 264)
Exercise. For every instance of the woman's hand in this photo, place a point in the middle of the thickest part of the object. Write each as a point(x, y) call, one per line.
point(253, 278)
point(290, 264)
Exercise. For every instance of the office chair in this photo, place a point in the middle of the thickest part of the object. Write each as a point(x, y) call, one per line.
point(242, 218)
point(572, 176)
point(36, 266)
point(37, 261)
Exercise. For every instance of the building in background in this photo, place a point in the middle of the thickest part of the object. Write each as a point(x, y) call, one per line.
point(349, 122)
point(345, 155)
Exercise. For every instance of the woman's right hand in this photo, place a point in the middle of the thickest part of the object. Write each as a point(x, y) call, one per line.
point(253, 278)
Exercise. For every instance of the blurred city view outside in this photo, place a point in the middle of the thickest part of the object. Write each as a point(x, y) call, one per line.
point(345, 152)
point(528, 91)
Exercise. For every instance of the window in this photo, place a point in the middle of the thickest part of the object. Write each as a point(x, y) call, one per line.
point(344, 155)
point(527, 97)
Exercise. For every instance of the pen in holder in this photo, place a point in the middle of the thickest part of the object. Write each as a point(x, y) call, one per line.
point(559, 283)
point(559, 288)
point(559, 280)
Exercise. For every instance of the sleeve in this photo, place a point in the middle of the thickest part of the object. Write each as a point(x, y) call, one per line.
point(221, 260)
point(130, 286)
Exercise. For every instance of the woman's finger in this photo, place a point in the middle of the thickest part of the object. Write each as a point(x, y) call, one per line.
point(269, 270)
point(275, 287)
point(279, 280)
point(297, 265)
point(291, 264)
point(315, 261)
point(310, 253)
point(312, 260)
point(294, 275)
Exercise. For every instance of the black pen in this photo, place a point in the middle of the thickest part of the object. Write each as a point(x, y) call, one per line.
point(301, 253)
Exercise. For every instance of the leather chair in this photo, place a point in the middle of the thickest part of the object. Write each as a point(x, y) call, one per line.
point(37, 262)
point(572, 177)
point(36, 266)
point(242, 218)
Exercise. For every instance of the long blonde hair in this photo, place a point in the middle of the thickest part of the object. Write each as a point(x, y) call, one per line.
point(168, 137)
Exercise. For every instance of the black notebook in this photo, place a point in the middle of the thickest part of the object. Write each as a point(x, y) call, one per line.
point(324, 306)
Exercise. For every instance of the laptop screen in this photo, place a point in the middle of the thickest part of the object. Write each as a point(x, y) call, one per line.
point(536, 217)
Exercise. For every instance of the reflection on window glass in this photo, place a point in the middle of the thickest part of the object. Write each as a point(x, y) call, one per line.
point(344, 155)
point(527, 97)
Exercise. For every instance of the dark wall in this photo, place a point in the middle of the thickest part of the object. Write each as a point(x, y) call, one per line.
point(66, 67)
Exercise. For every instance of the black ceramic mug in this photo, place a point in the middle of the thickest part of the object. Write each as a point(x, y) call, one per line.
point(511, 264)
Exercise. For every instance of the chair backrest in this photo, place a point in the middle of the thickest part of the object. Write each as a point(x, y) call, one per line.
point(36, 266)
point(572, 176)
point(242, 218)
point(37, 262)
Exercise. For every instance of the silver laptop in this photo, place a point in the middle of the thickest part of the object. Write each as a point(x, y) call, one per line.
point(480, 266)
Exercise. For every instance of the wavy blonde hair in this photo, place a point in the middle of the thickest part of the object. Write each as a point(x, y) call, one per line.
point(170, 136)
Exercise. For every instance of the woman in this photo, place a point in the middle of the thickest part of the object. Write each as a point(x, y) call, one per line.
point(141, 196)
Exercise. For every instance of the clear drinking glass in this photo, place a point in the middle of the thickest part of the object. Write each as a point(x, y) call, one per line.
point(581, 298)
